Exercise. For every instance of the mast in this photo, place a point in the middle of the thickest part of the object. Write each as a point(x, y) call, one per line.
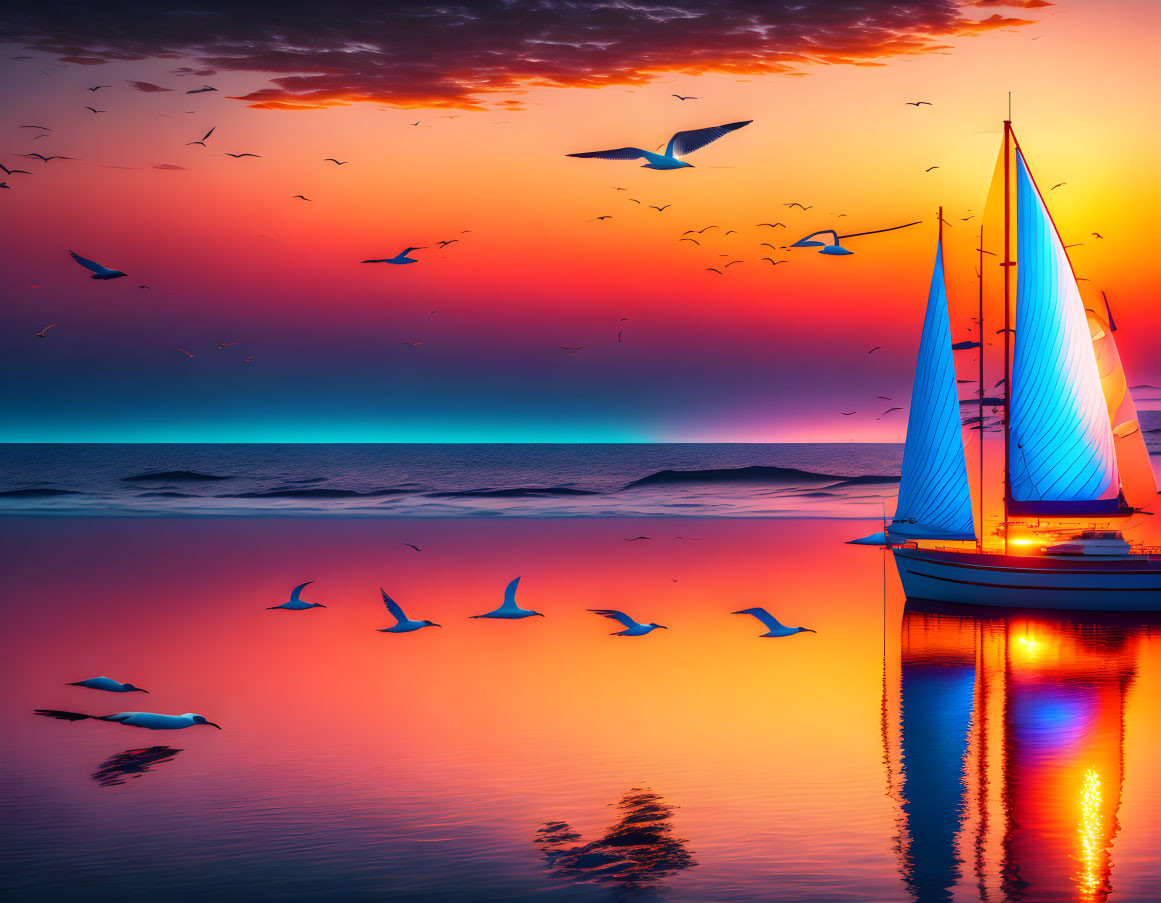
point(1007, 265)
point(980, 392)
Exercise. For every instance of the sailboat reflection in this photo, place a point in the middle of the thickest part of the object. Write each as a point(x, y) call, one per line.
point(132, 763)
point(634, 853)
point(1011, 752)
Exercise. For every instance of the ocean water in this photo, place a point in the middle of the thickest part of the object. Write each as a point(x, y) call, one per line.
point(900, 753)
point(819, 480)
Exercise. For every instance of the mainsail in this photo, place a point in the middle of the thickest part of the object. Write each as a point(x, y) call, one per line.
point(1061, 455)
point(934, 498)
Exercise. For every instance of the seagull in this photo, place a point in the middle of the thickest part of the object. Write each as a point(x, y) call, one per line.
point(403, 624)
point(46, 159)
point(607, 216)
point(694, 240)
point(679, 97)
point(20, 172)
point(848, 413)
point(886, 412)
point(225, 345)
point(930, 168)
point(202, 90)
point(243, 155)
point(96, 111)
point(773, 225)
point(401, 257)
point(204, 137)
point(107, 683)
point(44, 127)
point(1094, 235)
point(99, 87)
point(680, 144)
point(99, 272)
point(637, 538)
point(774, 263)
point(917, 103)
point(294, 603)
point(798, 205)
point(40, 335)
point(1057, 185)
point(775, 628)
point(149, 720)
point(186, 353)
point(510, 611)
point(731, 263)
point(444, 244)
point(632, 628)
point(873, 350)
point(336, 162)
point(659, 209)
point(413, 546)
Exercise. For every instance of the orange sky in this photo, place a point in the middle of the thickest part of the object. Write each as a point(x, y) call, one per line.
point(759, 354)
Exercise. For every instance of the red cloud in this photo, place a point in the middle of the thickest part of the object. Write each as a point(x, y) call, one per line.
point(477, 54)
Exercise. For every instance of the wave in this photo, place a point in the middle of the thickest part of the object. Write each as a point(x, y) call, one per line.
point(312, 494)
point(36, 493)
point(754, 474)
point(172, 475)
point(514, 493)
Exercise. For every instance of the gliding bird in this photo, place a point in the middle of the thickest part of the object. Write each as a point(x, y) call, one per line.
point(680, 144)
point(775, 628)
point(99, 272)
point(107, 683)
point(632, 628)
point(403, 624)
point(399, 258)
point(148, 720)
point(510, 611)
point(295, 603)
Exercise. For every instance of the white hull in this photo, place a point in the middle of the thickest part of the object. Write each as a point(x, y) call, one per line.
point(1063, 582)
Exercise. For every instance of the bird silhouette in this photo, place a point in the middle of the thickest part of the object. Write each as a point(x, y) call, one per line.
point(679, 97)
point(774, 262)
point(201, 90)
point(681, 144)
point(99, 87)
point(300, 196)
point(149, 720)
point(918, 103)
point(243, 155)
point(403, 624)
point(336, 162)
point(400, 258)
point(99, 272)
point(204, 137)
point(40, 335)
point(96, 111)
point(510, 611)
point(712, 270)
point(930, 168)
point(295, 602)
point(107, 684)
point(632, 627)
point(888, 411)
point(773, 626)
point(798, 205)
point(659, 209)
point(14, 172)
point(45, 159)
point(773, 225)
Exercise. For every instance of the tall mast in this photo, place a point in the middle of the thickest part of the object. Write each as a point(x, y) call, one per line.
point(980, 392)
point(1007, 265)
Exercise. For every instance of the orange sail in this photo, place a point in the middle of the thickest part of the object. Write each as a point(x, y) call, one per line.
point(1138, 485)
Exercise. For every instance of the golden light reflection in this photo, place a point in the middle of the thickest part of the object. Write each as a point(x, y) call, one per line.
point(1092, 834)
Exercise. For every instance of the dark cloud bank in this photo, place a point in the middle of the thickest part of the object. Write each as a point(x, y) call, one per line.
point(476, 55)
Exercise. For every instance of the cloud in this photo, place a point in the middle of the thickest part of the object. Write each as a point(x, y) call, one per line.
point(188, 70)
point(479, 54)
point(171, 166)
point(148, 87)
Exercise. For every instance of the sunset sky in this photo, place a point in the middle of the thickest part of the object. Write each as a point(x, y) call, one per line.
point(501, 93)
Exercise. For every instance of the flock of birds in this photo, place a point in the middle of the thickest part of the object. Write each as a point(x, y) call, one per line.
point(509, 610)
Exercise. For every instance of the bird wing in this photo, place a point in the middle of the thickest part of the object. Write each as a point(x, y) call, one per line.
point(617, 153)
point(510, 597)
point(294, 593)
point(614, 615)
point(88, 264)
point(393, 607)
point(768, 619)
point(687, 142)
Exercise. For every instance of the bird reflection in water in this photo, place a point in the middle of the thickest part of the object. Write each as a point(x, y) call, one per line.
point(132, 763)
point(632, 855)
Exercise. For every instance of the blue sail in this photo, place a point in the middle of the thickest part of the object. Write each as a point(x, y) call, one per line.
point(1061, 456)
point(934, 499)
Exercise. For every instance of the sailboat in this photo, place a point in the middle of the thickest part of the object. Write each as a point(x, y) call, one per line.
point(1073, 447)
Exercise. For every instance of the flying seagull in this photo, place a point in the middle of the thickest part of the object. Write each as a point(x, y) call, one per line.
point(836, 248)
point(876, 348)
point(25, 172)
point(403, 624)
point(149, 720)
point(680, 144)
point(774, 263)
point(930, 168)
point(679, 97)
point(40, 335)
point(412, 545)
point(300, 196)
point(46, 159)
point(201, 90)
point(242, 155)
point(444, 244)
point(917, 103)
point(798, 205)
point(295, 603)
point(336, 162)
point(510, 611)
point(886, 412)
point(186, 353)
point(99, 272)
point(107, 683)
point(775, 628)
point(400, 258)
point(632, 628)
point(96, 111)
point(773, 225)
point(203, 139)
point(99, 87)
point(659, 209)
